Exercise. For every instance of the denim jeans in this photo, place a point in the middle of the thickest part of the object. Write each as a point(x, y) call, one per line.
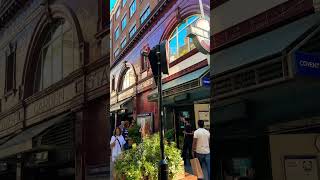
point(204, 160)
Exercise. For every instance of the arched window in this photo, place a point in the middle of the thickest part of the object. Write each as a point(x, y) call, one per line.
point(128, 79)
point(179, 43)
point(58, 55)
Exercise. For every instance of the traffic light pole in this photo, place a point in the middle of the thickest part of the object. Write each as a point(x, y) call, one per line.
point(163, 175)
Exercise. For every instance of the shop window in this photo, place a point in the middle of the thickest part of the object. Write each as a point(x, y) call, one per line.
point(128, 79)
point(58, 55)
point(179, 43)
point(133, 8)
point(132, 31)
point(10, 71)
point(123, 43)
point(145, 15)
point(116, 33)
point(124, 22)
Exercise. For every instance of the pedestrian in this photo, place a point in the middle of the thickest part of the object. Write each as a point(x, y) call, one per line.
point(188, 139)
point(125, 134)
point(116, 143)
point(201, 146)
point(121, 125)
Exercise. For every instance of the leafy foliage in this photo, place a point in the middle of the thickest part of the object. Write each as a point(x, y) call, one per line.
point(169, 135)
point(142, 161)
point(134, 133)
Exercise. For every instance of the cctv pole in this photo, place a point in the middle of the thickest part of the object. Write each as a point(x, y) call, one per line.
point(163, 163)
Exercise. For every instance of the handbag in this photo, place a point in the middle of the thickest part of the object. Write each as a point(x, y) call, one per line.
point(196, 168)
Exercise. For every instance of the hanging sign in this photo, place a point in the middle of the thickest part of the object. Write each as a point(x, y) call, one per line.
point(307, 64)
point(200, 34)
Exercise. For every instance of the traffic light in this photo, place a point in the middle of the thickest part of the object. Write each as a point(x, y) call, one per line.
point(158, 54)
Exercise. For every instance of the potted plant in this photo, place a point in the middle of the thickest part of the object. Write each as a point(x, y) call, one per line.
point(142, 161)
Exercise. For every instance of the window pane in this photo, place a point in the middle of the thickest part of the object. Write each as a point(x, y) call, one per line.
point(173, 51)
point(182, 25)
point(57, 32)
point(124, 22)
point(183, 42)
point(56, 60)
point(192, 19)
point(132, 31)
point(67, 53)
point(47, 65)
point(132, 8)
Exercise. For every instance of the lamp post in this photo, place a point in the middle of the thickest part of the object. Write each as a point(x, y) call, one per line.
point(158, 62)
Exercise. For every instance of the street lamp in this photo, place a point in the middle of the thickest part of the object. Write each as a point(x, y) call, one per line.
point(158, 62)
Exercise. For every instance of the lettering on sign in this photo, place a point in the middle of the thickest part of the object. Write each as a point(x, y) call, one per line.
point(49, 102)
point(9, 121)
point(98, 78)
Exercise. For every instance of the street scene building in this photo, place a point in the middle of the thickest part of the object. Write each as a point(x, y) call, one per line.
point(265, 70)
point(54, 81)
point(140, 25)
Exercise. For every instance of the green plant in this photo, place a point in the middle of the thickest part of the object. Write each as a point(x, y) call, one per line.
point(142, 161)
point(169, 135)
point(134, 133)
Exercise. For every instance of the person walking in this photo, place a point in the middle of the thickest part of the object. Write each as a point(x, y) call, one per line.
point(116, 143)
point(188, 139)
point(201, 146)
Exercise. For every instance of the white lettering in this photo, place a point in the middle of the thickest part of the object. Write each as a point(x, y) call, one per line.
point(309, 64)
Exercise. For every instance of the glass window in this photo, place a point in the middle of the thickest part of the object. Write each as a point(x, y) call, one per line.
point(132, 31)
point(113, 84)
point(179, 43)
point(116, 33)
point(10, 71)
point(124, 23)
point(118, 13)
point(124, 2)
point(123, 43)
point(58, 56)
point(145, 15)
point(128, 79)
point(133, 8)
point(116, 52)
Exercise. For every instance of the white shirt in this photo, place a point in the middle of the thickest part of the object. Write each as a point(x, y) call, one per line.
point(116, 150)
point(203, 136)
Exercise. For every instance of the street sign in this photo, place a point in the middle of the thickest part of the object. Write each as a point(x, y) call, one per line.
point(200, 34)
point(307, 64)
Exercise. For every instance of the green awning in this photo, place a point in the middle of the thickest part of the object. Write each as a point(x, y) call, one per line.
point(183, 80)
point(268, 44)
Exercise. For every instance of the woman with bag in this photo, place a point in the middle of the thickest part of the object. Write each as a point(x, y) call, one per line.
point(117, 142)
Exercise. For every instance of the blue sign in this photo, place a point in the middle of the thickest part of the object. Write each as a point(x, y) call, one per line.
point(307, 64)
point(206, 81)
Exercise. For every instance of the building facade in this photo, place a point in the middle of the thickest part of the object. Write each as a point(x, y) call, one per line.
point(264, 75)
point(139, 25)
point(54, 81)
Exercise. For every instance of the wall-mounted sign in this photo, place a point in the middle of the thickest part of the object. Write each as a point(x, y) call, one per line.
point(307, 64)
point(206, 81)
point(301, 167)
point(200, 34)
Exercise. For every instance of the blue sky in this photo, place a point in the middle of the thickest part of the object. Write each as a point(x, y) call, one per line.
point(112, 3)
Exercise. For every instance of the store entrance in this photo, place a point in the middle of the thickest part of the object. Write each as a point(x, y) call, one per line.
point(182, 114)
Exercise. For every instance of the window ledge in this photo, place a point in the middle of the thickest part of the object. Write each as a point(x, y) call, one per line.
point(183, 57)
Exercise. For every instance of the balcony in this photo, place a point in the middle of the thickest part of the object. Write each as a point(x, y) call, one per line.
point(8, 8)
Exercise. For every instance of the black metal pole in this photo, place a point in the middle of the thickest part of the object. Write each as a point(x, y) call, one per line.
point(163, 163)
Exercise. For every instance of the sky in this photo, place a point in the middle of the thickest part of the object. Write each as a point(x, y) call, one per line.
point(112, 3)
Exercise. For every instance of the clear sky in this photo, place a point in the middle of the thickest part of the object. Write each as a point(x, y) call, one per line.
point(112, 3)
